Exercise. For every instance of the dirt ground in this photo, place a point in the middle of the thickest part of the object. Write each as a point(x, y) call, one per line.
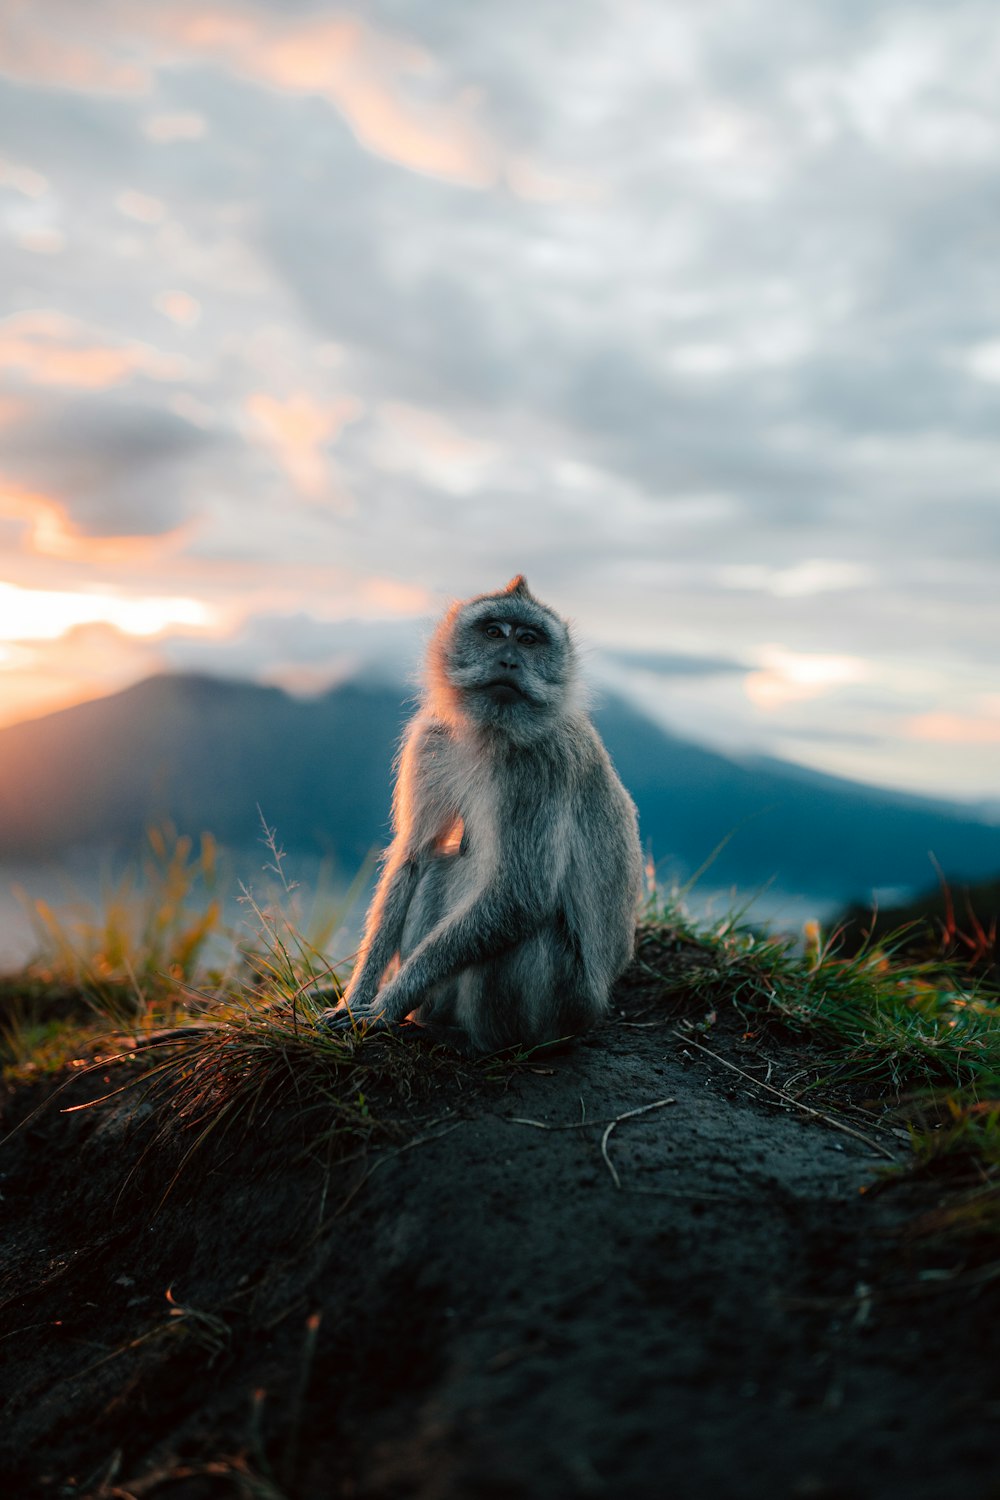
point(717, 1305)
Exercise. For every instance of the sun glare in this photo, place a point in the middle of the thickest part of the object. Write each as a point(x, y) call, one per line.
point(47, 614)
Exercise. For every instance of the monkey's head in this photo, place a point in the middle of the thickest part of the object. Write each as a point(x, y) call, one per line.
point(503, 661)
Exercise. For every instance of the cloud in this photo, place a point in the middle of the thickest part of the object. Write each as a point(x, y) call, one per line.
point(307, 654)
point(395, 99)
point(813, 575)
point(114, 470)
point(677, 664)
point(299, 429)
point(693, 319)
point(54, 46)
point(368, 76)
point(957, 729)
point(793, 677)
point(140, 206)
point(49, 348)
point(25, 179)
point(179, 307)
point(51, 532)
point(166, 129)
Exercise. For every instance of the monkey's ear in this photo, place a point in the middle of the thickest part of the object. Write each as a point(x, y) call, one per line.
point(518, 585)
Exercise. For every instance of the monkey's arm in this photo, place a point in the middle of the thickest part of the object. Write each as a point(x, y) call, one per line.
point(383, 930)
point(517, 896)
point(414, 825)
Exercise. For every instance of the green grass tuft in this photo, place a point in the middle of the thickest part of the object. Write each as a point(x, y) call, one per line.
point(905, 1024)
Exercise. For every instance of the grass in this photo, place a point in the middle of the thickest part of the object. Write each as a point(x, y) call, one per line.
point(904, 1023)
point(923, 1033)
point(123, 963)
point(213, 1047)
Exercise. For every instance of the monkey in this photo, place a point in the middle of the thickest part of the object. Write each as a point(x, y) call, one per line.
point(510, 891)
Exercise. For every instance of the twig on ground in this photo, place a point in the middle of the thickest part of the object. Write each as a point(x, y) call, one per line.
point(587, 1124)
point(629, 1114)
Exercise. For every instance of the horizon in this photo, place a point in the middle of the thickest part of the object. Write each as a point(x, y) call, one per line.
point(319, 318)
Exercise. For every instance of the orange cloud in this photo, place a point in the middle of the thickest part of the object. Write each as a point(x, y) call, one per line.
point(956, 729)
point(25, 179)
point(298, 428)
point(795, 677)
point(398, 598)
point(362, 72)
point(48, 348)
point(140, 206)
point(11, 410)
point(414, 440)
point(169, 128)
point(50, 533)
point(179, 307)
point(380, 84)
point(433, 433)
point(36, 48)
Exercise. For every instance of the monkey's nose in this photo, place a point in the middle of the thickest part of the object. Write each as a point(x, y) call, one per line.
point(510, 666)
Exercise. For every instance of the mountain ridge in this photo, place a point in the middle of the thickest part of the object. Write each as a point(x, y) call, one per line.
point(206, 751)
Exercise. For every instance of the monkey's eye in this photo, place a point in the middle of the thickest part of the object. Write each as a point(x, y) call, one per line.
point(494, 632)
point(527, 638)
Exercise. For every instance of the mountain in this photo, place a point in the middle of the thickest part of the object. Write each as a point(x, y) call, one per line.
point(808, 832)
point(206, 752)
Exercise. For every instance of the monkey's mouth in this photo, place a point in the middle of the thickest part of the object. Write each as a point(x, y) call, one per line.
point(503, 691)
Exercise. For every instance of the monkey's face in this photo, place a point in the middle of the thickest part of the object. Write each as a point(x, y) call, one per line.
point(503, 662)
point(509, 661)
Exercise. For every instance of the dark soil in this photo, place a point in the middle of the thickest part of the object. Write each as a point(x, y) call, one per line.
point(742, 1317)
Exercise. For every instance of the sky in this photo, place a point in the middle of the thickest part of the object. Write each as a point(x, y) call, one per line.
point(313, 318)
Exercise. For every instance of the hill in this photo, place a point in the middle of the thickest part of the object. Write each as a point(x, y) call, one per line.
point(206, 752)
point(244, 1262)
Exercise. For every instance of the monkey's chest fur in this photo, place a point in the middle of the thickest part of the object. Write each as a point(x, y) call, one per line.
point(454, 831)
point(472, 842)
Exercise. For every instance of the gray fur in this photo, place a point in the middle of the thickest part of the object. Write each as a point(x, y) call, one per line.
point(516, 933)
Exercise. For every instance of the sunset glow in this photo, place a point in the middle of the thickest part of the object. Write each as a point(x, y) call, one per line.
point(47, 614)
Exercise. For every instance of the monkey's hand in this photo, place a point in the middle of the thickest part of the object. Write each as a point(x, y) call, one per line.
point(356, 1018)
